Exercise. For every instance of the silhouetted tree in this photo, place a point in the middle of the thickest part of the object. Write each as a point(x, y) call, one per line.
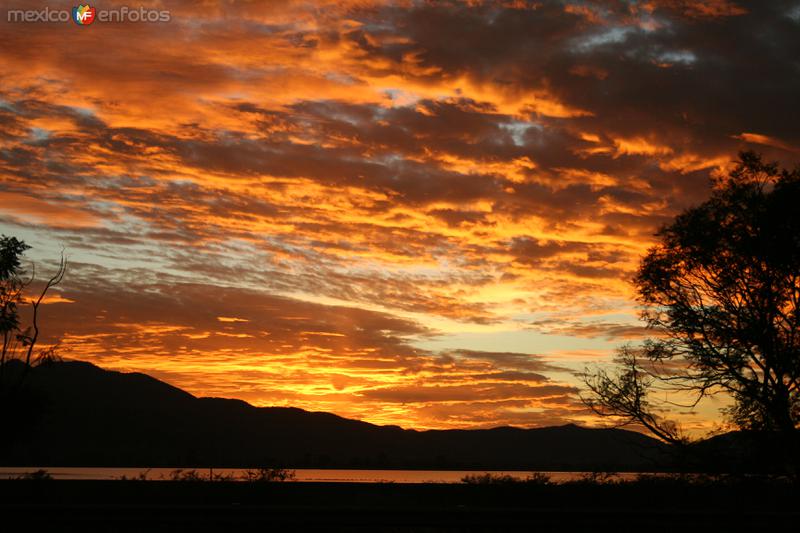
point(20, 337)
point(721, 288)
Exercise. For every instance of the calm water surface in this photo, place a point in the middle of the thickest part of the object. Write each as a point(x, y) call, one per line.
point(302, 475)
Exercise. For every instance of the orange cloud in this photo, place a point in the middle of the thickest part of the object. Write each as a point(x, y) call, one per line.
point(64, 214)
point(757, 138)
point(332, 188)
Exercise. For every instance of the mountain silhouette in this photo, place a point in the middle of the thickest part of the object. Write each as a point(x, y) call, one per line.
point(94, 417)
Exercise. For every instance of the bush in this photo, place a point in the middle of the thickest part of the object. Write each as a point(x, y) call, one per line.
point(487, 478)
point(186, 475)
point(37, 475)
point(596, 478)
point(141, 476)
point(269, 474)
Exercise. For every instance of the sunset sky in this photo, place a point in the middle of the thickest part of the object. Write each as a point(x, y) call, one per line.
point(415, 213)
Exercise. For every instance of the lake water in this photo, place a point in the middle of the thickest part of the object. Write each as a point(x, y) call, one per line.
point(301, 475)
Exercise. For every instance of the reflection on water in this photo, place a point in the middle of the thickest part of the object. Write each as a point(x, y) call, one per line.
point(302, 475)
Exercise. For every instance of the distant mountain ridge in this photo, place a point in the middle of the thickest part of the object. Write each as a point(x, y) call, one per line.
point(95, 417)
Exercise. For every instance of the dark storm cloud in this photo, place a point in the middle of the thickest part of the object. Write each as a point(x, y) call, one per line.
point(694, 75)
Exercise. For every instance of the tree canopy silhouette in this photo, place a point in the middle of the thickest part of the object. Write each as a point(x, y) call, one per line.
point(721, 289)
point(19, 337)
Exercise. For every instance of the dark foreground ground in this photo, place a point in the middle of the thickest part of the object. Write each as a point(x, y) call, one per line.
point(157, 506)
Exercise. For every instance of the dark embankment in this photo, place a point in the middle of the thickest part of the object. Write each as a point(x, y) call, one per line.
point(156, 506)
point(82, 415)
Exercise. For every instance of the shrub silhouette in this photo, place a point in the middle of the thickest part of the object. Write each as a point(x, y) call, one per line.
point(269, 474)
point(488, 478)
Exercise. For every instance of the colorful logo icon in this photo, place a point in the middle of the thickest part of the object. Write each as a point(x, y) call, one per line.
point(83, 15)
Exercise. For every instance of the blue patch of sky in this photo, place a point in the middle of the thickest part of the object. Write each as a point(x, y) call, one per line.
point(340, 77)
point(32, 236)
point(375, 25)
point(84, 111)
point(46, 246)
point(39, 134)
point(685, 57)
point(124, 181)
point(390, 160)
point(518, 128)
point(401, 97)
point(615, 35)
